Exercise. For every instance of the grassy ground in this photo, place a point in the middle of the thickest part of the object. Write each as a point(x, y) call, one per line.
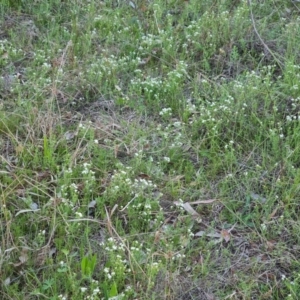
point(149, 149)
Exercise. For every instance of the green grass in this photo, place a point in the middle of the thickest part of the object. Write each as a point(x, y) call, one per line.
point(149, 150)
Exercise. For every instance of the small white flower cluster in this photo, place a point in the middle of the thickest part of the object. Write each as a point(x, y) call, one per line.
point(86, 169)
point(148, 85)
point(295, 104)
point(166, 112)
point(263, 227)
point(190, 107)
point(241, 13)
point(207, 118)
point(117, 264)
point(106, 65)
point(155, 265)
point(120, 181)
point(68, 171)
point(93, 290)
point(277, 132)
point(128, 288)
point(149, 40)
point(69, 190)
point(192, 31)
point(112, 245)
point(178, 256)
point(229, 145)
point(98, 18)
point(190, 233)
point(82, 126)
point(40, 238)
point(46, 66)
point(6, 47)
point(89, 176)
point(3, 45)
point(78, 214)
point(178, 73)
point(139, 154)
point(67, 186)
point(74, 187)
point(62, 267)
point(145, 210)
point(142, 184)
point(172, 133)
point(108, 273)
point(292, 118)
point(156, 87)
point(167, 159)
point(177, 124)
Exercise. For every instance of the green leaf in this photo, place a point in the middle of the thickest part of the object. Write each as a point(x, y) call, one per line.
point(113, 290)
point(88, 264)
point(84, 265)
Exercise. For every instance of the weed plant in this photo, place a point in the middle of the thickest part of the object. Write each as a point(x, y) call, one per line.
point(149, 149)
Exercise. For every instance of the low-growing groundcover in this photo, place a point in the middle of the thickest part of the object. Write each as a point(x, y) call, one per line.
point(149, 149)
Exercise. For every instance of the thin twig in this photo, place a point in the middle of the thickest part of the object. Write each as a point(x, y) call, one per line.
point(260, 38)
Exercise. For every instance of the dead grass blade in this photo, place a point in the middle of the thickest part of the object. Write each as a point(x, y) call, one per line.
point(187, 207)
point(209, 201)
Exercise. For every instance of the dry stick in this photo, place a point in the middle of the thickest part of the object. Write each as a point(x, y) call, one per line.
point(296, 5)
point(260, 38)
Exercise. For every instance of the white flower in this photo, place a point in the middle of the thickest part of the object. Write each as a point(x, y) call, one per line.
point(78, 214)
point(74, 187)
point(68, 171)
point(263, 226)
point(165, 111)
point(167, 159)
point(85, 172)
point(177, 124)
